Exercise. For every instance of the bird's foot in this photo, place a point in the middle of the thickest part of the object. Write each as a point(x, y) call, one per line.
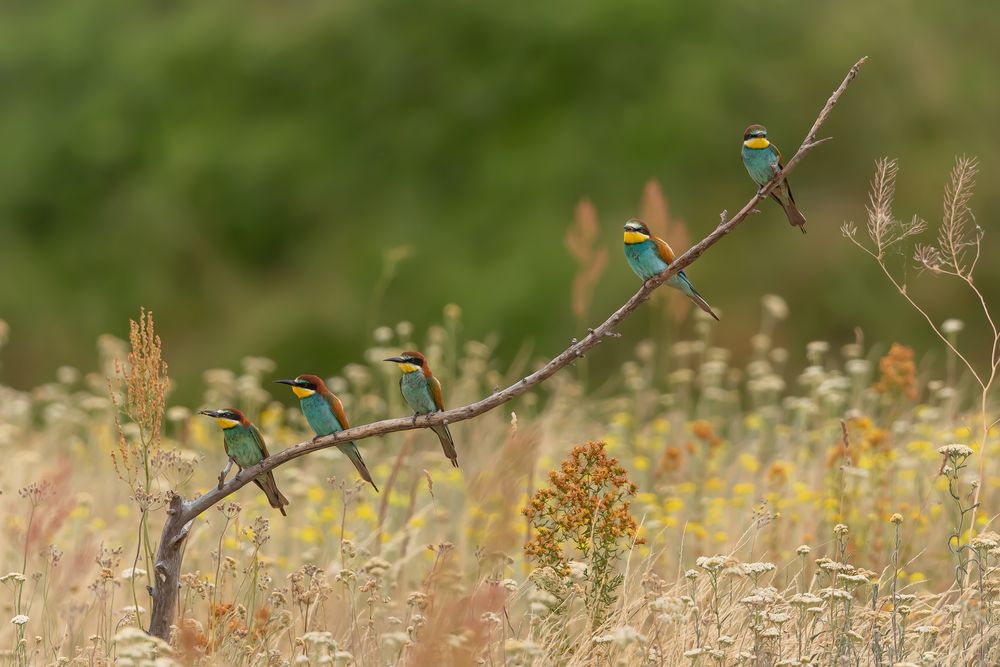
point(414, 422)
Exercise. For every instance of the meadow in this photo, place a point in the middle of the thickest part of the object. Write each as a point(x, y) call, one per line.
point(828, 505)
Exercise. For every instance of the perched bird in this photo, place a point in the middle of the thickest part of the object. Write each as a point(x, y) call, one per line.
point(650, 256)
point(325, 414)
point(422, 392)
point(763, 160)
point(245, 447)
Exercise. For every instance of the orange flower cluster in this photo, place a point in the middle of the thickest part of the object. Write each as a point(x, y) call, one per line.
point(898, 372)
point(586, 506)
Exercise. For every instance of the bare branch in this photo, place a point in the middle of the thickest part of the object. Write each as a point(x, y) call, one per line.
point(189, 510)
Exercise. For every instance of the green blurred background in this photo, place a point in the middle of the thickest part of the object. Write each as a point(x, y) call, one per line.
point(244, 168)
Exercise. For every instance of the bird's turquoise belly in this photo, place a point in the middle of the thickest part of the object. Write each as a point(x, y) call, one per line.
point(643, 259)
point(758, 162)
point(417, 393)
point(319, 415)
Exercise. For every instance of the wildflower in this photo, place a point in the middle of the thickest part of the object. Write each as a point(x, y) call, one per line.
point(985, 541)
point(952, 326)
point(133, 573)
point(803, 550)
point(898, 372)
point(840, 530)
point(955, 450)
point(691, 574)
point(926, 630)
point(757, 569)
point(20, 619)
point(711, 563)
point(805, 600)
point(775, 306)
point(896, 518)
point(623, 635)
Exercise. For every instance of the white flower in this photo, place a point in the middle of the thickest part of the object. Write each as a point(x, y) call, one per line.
point(775, 306)
point(20, 619)
point(711, 563)
point(956, 450)
point(509, 584)
point(623, 635)
point(757, 569)
point(803, 550)
point(577, 570)
point(927, 630)
point(805, 600)
point(133, 573)
point(952, 326)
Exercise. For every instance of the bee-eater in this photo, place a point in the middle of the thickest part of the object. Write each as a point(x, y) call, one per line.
point(245, 447)
point(763, 159)
point(422, 392)
point(650, 256)
point(325, 414)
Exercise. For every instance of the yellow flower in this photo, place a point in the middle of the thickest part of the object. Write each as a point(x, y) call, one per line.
point(415, 522)
point(121, 511)
point(309, 535)
point(697, 530)
point(646, 499)
point(720, 537)
point(621, 419)
point(672, 504)
point(640, 463)
point(917, 577)
point(743, 489)
point(753, 422)
point(749, 462)
point(315, 494)
point(963, 432)
point(365, 512)
point(714, 484)
point(661, 426)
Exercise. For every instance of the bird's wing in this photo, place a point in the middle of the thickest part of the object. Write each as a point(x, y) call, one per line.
point(259, 439)
point(338, 410)
point(663, 250)
point(781, 160)
point(435, 387)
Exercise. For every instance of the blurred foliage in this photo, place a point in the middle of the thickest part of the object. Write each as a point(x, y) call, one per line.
point(245, 169)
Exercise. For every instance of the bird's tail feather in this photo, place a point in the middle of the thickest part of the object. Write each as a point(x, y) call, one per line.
point(351, 451)
point(447, 443)
point(276, 499)
point(697, 298)
point(795, 217)
point(692, 294)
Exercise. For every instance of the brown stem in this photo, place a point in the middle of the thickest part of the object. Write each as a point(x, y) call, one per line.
point(178, 524)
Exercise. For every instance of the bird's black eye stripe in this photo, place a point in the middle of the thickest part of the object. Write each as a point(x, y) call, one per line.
point(411, 360)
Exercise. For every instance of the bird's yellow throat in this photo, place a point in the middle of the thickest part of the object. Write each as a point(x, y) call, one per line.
point(409, 368)
point(226, 423)
point(635, 237)
point(302, 392)
point(757, 143)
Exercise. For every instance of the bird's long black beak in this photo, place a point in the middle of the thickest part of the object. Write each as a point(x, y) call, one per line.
point(396, 360)
point(209, 413)
point(290, 383)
